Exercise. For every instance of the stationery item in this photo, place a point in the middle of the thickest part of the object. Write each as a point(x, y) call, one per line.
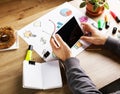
point(46, 54)
point(41, 75)
point(100, 24)
point(94, 25)
point(107, 23)
point(114, 30)
point(29, 53)
point(115, 16)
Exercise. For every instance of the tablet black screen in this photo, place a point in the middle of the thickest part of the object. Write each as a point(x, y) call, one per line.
point(71, 32)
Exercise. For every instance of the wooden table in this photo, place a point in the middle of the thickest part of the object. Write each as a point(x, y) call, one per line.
point(102, 66)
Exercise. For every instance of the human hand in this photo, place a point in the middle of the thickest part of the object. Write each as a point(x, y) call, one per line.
point(61, 50)
point(96, 37)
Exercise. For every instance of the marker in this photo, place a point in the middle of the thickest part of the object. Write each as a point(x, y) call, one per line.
point(100, 24)
point(114, 30)
point(115, 17)
point(107, 23)
point(29, 53)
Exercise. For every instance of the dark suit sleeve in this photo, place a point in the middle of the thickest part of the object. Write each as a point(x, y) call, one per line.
point(78, 81)
point(113, 45)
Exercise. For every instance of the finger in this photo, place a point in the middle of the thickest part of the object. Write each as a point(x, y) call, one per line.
point(87, 27)
point(88, 39)
point(59, 39)
point(53, 44)
point(84, 23)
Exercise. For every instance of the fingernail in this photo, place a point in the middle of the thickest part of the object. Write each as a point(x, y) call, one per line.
point(56, 35)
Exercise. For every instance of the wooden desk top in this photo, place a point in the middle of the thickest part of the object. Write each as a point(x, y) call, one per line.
point(102, 66)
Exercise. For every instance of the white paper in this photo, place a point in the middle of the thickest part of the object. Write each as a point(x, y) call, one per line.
point(32, 75)
point(51, 75)
point(42, 75)
point(38, 33)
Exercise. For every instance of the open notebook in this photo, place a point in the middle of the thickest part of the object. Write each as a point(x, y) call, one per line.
point(41, 75)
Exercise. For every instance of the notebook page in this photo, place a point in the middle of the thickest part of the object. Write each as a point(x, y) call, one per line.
point(51, 75)
point(32, 75)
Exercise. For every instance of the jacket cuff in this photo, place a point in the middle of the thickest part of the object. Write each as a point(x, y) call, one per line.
point(110, 43)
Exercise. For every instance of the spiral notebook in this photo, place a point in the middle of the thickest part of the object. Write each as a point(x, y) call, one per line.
point(41, 75)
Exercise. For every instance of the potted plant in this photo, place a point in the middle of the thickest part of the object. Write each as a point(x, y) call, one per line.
point(94, 7)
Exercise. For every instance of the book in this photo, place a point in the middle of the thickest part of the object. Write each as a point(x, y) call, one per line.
point(45, 75)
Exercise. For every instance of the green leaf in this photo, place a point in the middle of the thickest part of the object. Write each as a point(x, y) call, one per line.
point(82, 4)
point(106, 5)
point(95, 6)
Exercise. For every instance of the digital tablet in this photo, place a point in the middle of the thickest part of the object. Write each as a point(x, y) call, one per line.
point(71, 32)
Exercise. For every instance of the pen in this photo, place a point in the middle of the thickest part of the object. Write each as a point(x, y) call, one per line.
point(29, 53)
point(115, 17)
point(107, 23)
point(94, 25)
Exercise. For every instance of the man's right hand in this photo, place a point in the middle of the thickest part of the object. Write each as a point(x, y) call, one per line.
point(96, 37)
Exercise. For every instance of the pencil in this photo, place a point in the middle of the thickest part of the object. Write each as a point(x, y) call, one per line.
point(96, 49)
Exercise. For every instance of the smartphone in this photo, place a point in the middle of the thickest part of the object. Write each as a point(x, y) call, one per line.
point(71, 32)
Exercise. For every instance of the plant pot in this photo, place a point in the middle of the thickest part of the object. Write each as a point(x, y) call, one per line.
point(94, 13)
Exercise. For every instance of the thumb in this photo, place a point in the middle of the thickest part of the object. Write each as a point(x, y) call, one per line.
point(86, 38)
point(59, 39)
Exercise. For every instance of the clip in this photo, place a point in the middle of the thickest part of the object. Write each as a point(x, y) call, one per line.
point(46, 54)
point(32, 62)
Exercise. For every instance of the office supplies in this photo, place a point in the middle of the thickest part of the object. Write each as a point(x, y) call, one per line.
point(117, 19)
point(93, 24)
point(39, 36)
point(114, 30)
point(29, 53)
point(107, 23)
point(100, 24)
point(44, 75)
point(46, 54)
point(83, 19)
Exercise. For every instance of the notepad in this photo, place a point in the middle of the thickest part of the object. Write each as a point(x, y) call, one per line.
point(41, 75)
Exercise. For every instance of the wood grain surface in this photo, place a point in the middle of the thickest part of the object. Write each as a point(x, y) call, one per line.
point(102, 66)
